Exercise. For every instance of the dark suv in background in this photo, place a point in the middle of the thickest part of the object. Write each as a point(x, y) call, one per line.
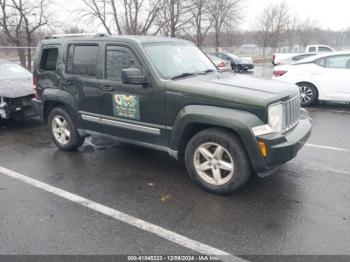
point(166, 94)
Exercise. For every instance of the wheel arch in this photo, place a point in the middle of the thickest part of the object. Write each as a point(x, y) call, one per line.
point(59, 98)
point(195, 118)
point(310, 83)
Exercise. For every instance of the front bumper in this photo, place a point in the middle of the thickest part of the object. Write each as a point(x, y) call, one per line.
point(16, 108)
point(247, 66)
point(282, 148)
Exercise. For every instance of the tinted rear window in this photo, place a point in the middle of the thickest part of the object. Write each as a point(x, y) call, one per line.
point(48, 60)
point(82, 60)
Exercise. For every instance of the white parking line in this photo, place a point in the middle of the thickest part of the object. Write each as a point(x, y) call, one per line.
point(329, 148)
point(133, 221)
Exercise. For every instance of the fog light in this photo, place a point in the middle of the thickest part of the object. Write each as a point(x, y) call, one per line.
point(262, 147)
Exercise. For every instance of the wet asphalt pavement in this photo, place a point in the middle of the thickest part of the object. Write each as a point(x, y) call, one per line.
point(303, 209)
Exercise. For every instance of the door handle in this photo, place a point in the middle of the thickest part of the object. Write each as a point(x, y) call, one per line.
point(107, 88)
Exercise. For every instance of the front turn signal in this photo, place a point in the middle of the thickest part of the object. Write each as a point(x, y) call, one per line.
point(262, 147)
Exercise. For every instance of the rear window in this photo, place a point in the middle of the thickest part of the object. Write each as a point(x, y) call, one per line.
point(324, 49)
point(48, 60)
point(82, 60)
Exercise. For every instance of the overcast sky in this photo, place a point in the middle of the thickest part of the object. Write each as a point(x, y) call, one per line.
point(333, 14)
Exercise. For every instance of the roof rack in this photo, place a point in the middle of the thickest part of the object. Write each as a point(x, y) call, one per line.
point(76, 35)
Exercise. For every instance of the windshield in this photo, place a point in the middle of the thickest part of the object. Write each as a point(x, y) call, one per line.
point(13, 71)
point(172, 60)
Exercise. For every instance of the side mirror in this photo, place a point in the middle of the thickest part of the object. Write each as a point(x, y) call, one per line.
point(134, 76)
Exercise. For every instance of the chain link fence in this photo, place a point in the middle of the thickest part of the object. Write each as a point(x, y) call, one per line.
point(11, 53)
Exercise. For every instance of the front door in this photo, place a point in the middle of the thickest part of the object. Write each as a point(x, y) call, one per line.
point(133, 112)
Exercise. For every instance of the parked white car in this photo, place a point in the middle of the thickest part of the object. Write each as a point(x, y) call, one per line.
point(321, 77)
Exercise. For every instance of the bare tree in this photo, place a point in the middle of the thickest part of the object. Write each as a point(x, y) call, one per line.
point(201, 20)
point(134, 17)
point(272, 26)
point(306, 30)
point(280, 15)
point(224, 13)
point(19, 21)
point(263, 27)
point(292, 27)
point(73, 30)
point(173, 17)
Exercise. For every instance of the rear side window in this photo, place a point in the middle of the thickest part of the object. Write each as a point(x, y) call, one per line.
point(48, 60)
point(82, 60)
point(321, 62)
point(341, 62)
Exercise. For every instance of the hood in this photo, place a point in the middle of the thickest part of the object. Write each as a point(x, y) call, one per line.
point(13, 88)
point(236, 88)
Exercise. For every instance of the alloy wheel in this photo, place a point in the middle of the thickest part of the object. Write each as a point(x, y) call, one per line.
point(60, 129)
point(213, 163)
point(306, 94)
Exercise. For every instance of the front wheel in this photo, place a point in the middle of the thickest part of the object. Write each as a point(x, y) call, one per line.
point(63, 130)
point(308, 94)
point(216, 160)
point(237, 68)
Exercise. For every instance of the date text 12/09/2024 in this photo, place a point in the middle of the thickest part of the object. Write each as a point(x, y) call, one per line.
point(173, 258)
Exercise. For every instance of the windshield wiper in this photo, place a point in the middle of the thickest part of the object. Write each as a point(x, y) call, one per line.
point(183, 75)
point(209, 71)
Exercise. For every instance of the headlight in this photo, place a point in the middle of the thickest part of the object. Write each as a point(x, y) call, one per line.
point(276, 117)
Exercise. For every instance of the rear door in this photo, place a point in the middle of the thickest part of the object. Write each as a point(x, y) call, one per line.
point(133, 112)
point(333, 77)
point(82, 80)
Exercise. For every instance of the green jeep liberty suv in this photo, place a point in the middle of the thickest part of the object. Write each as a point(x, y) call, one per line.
point(166, 94)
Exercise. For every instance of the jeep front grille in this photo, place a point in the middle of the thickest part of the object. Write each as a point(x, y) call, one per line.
point(291, 112)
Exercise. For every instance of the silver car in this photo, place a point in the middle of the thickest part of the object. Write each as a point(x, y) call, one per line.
point(16, 91)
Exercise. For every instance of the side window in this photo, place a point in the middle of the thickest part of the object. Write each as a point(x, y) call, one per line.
point(340, 62)
point(312, 49)
point(48, 60)
point(300, 57)
point(321, 62)
point(82, 60)
point(118, 59)
point(324, 49)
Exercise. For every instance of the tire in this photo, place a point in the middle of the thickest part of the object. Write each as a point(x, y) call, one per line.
point(308, 94)
point(232, 169)
point(237, 68)
point(60, 120)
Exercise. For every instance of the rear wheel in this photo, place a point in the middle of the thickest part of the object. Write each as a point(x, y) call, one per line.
point(308, 94)
point(63, 130)
point(216, 161)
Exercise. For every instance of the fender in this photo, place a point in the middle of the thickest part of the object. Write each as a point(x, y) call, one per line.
point(63, 97)
point(238, 121)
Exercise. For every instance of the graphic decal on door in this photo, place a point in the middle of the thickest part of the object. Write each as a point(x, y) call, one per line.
point(126, 106)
